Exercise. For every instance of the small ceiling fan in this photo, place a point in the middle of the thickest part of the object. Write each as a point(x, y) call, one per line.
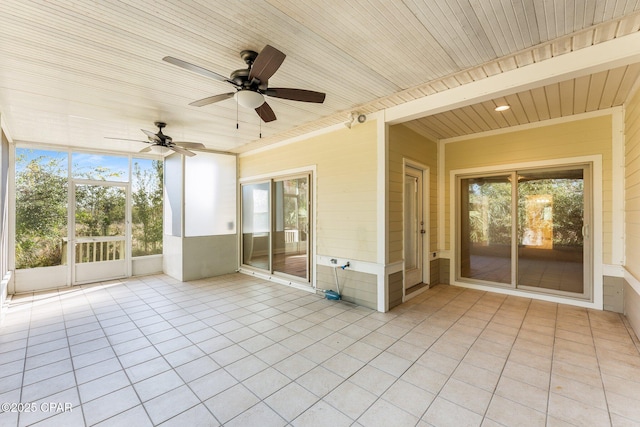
point(252, 83)
point(161, 140)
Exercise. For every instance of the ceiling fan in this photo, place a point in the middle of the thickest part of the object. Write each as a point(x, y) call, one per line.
point(252, 83)
point(161, 140)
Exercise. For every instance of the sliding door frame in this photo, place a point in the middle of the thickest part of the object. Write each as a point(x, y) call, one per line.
point(270, 273)
point(595, 298)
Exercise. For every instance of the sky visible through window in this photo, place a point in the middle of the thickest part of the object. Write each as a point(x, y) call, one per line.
point(85, 165)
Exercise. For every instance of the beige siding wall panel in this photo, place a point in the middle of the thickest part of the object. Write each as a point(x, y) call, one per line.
point(355, 287)
point(632, 307)
point(395, 289)
point(632, 209)
point(346, 170)
point(407, 144)
point(613, 291)
point(565, 140)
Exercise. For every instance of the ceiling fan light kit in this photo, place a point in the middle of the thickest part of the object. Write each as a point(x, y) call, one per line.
point(249, 99)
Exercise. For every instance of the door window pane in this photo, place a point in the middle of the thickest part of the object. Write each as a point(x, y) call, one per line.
point(485, 229)
point(41, 208)
point(256, 228)
point(550, 223)
point(290, 238)
point(100, 211)
point(411, 249)
point(100, 215)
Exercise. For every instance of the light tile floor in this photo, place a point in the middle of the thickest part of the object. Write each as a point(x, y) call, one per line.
point(239, 351)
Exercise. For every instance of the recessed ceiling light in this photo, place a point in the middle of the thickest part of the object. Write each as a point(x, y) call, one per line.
point(502, 107)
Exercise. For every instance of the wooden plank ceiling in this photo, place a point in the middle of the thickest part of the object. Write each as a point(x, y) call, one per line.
point(74, 72)
point(593, 92)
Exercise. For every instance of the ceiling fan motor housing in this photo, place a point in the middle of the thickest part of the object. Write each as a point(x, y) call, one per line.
point(165, 140)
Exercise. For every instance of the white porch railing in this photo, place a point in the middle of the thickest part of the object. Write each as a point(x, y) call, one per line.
point(96, 249)
point(290, 236)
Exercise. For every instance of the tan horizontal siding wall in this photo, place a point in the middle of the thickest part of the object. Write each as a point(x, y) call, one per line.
point(355, 287)
point(632, 185)
point(406, 144)
point(395, 289)
point(571, 139)
point(632, 207)
point(346, 170)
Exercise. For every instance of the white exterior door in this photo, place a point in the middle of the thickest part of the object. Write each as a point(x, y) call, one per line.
point(100, 243)
point(414, 227)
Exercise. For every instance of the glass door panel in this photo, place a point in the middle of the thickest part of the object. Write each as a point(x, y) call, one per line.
point(256, 227)
point(291, 227)
point(411, 222)
point(550, 230)
point(486, 229)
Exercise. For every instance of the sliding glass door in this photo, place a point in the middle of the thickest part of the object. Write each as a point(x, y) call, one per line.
point(486, 229)
point(527, 229)
point(256, 227)
point(291, 226)
point(275, 226)
point(551, 230)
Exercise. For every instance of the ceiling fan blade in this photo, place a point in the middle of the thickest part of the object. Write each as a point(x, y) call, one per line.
point(181, 150)
point(266, 63)
point(152, 136)
point(266, 113)
point(296, 94)
point(189, 144)
point(211, 99)
point(125, 139)
point(145, 150)
point(197, 69)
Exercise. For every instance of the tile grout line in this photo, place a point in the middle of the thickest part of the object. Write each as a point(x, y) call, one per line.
point(105, 289)
point(595, 350)
point(26, 348)
point(493, 392)
point(131, 384)
point(553, 355)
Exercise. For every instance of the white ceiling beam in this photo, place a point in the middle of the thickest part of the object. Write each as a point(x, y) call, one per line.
point(604, 56)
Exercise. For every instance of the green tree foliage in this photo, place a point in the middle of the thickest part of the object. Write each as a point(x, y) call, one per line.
point(41, 210)
point(566, 204)
point(490, 209)
point(100, 210)
point(147, 209)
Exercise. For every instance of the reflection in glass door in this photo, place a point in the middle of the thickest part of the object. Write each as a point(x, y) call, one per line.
point(550, 230)
point(547, 210)
point(486, 229)
point(256, 228)
point(291, 227)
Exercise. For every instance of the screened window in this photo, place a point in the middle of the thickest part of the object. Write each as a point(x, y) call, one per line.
point(100, 167)
point(146, 207)
point(41, 207)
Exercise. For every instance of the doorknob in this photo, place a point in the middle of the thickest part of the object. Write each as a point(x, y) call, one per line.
point(422, 231)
